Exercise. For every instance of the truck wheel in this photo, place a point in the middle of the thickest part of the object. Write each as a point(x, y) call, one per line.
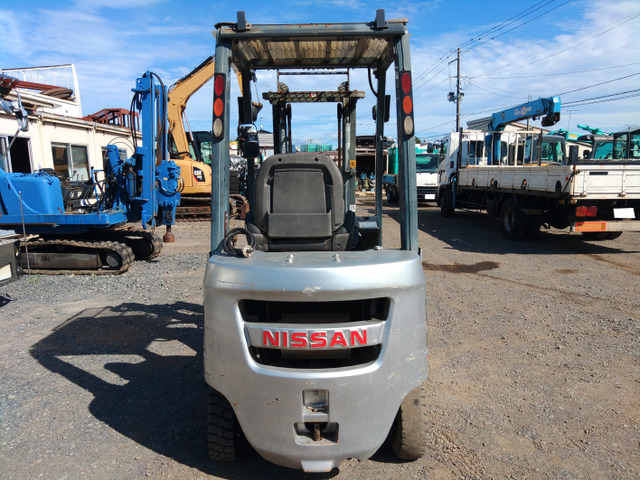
point(513, 225)
point(221, 429)
point(533, 230)
point(409, 430)
point(446, 203)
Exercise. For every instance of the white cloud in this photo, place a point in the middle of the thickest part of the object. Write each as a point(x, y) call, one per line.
point(111, 46)
point(514, 68)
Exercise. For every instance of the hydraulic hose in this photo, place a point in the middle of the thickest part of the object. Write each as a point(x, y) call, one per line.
point(246, 251)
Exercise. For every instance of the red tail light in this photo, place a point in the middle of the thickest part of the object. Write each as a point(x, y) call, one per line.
point(586, 211)
point(407, 104)
point(219, 87)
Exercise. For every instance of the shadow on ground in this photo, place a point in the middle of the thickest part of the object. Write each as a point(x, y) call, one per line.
point(4, 300)
point(155, 394)
point(481, 233)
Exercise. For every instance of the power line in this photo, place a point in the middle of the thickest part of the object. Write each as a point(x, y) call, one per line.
point(535, 7)
point(486, 89)
point(598, 84)
point(415, 88)
point(558, 74)
point(619, 22)
point(431, 69)
point(436, 126)
point(431, 88)
point(500, 26)
point(605, 98)
point(522, 24)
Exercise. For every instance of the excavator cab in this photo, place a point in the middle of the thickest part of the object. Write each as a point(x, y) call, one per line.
point(315, 342)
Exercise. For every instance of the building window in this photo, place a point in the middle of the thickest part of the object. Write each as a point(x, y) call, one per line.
point(70, 161)
point(17, 159)
point(122, 153)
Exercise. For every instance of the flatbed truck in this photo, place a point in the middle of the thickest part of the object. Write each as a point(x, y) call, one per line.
point(535, 184)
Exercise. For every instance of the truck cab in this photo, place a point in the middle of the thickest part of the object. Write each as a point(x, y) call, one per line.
point(427, 174)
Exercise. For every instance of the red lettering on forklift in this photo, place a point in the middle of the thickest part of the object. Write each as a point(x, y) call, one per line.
point(358, 336)
point(272, 338)
point(298, 339)
point(338, 338)
point(318, 339)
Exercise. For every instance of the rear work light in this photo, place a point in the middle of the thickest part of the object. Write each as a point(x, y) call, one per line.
point(406, 98)
point(586, 211)
point(219, 100)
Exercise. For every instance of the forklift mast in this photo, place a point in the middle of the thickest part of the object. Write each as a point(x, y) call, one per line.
point(375, 46)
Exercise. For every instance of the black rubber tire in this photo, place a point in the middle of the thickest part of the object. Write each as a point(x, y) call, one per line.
point(513, 225)
point(613, 235)
point(596, 235)
point(222, 429)
point(446, 203)
point(533, 230)
point(409, 431)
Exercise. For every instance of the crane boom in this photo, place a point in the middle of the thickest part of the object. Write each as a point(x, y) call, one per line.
point(179, 95)
point(548, 106)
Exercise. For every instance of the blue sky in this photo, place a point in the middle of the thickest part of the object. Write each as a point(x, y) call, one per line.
point(586, 51)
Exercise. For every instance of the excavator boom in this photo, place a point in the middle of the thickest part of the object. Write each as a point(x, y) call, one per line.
point(179, 94)
point(195, 173)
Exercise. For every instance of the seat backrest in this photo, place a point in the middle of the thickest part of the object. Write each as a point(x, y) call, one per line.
point(299, 201)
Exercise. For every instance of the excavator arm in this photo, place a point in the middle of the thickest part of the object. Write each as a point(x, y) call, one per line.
point(179, 94)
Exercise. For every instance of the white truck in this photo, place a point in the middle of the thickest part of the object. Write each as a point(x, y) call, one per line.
point(426, 174)
point(528, 181)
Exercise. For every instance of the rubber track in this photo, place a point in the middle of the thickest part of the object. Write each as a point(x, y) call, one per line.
point(120, 248)
point(154, 239)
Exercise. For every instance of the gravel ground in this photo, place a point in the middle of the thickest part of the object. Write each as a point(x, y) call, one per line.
point(534, 358)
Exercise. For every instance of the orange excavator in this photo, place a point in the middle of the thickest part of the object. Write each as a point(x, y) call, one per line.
point(186, 146)
point(195, 175)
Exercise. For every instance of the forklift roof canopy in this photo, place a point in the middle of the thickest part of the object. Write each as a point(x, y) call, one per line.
point(356, 45)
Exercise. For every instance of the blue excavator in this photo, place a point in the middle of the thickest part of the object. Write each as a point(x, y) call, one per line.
point(130, 198)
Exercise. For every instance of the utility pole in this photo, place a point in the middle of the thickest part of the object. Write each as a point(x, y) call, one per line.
point(457, 97)
point(458, 93)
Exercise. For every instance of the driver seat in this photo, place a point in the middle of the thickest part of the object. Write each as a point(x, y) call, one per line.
point(299, 205)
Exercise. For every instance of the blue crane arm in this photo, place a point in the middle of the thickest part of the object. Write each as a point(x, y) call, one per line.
point(548, 106)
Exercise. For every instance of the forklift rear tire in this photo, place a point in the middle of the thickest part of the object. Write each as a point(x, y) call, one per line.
point(222, 429)
point(409, 430)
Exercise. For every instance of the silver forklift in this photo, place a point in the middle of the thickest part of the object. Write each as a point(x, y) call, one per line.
point(315, 342)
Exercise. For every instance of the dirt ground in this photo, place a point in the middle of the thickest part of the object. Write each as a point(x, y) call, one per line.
point(534, 361)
